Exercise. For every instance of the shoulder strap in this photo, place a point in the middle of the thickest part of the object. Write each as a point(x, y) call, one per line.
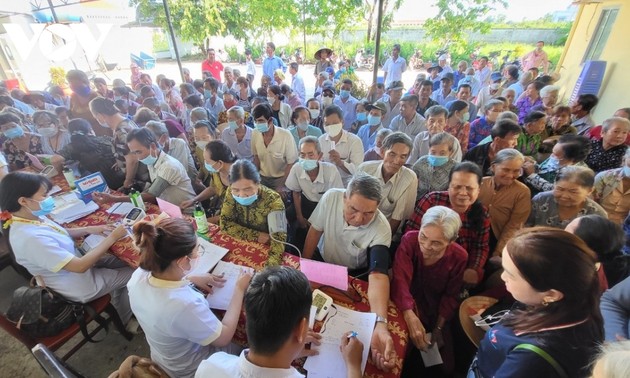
point(546, 356)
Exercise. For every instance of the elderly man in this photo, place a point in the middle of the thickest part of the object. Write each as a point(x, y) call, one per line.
point(462, 66)
point(367, 132)
point(470, 79)
point(237, 135)
point(347, 103)
point(394, 66)
point(350, 230)
point(212, 65)
point(392, 103)
point(435, 122)
point(504, 135)
point(319, 83)
point(445, 94)
point(340, 147)
point(230, 82)
point(483, 72)
point(273, 148)
point(175, 147)
point(146, 80)
point(424, 97)
point(398, 182)
point(536, 58)
point(297, 82)
point(581, 112)
point(408, 121)
point(464, 93)
point(309, 180)
point(272, 62)
point(443, 61)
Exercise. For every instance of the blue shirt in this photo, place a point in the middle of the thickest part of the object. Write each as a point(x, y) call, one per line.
point(369, 140)
point(297, 85)
point(270, 65)
point(349, 110)
point(311, 131)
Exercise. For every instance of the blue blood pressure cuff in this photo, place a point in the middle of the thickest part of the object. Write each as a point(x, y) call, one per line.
point(378, 259)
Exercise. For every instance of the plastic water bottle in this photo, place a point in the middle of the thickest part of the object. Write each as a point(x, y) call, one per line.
point(69, 175)
point(136, 199)
point(200, 219)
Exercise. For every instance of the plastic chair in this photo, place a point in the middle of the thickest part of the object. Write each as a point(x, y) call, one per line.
point(100, 305)
point(7, 257)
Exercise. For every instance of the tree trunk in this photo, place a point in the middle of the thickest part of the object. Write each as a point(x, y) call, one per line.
point(370, 21)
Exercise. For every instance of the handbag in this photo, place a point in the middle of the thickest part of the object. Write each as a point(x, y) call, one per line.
point(39, 312)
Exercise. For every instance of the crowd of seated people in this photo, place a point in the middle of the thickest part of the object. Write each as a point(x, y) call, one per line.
point(471, 183)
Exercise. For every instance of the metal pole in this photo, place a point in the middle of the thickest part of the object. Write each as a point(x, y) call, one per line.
point(377, 49)
point(52, 10)
point(170, 29)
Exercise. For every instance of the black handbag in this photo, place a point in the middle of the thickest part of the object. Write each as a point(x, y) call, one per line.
point(40, 312)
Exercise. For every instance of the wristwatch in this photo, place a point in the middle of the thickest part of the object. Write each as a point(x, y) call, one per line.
point(380, 319)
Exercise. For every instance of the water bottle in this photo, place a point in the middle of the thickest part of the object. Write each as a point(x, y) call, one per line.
point(200, 219)
point(136, 199)
point(69, 175)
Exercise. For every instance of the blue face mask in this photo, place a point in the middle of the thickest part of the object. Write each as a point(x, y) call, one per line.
point(362, 117)
point(246, 201)
point(552, 163)
point(263, 127)
point(207, 94)
point(232, 125)
point(373, 120)
point(149, 160)
point(210, 168)
point(83, 90)
point(626, 171)
point(437, 161)
point(14, 132)
point(45, 207)
point(344, 93)
point(307, 164)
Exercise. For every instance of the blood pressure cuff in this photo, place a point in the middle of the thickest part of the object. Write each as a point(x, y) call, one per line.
point(378, 259)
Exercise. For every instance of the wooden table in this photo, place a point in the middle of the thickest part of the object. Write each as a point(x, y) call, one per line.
point(254, 255)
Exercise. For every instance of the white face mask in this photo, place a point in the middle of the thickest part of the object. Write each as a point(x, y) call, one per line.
point(314, 113)
point(201, 144)
point(333, 130)
point(193, 264)
point(327, 101)
point(271, 100)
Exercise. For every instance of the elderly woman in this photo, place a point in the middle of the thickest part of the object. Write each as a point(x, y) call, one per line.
point(428, 269)
point(480, 128)
point(530, 139)
point(291, 97)
point(244, 94)
point(557, 325)
point(607, 153)
point(570, 150)
point(457, 122)
point(568, 200)
point(462, 196)
point(529, 100)
point(376, 152)
point(278, 76)
point(433, 169)
point(317, 117)
point(559, 123)
point(53, 137)
point(507, 199)
point(510, 96)
point(19, 146)
point(610, 191)
point(301, 121)
point(549, 99)
point(246, 208)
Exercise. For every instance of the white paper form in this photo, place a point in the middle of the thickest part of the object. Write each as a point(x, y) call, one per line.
point(329, 362)
point(221, 296)
point(211, 255)
point(432, 356)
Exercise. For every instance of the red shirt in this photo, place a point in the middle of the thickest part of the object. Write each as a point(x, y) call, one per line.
point(596, 133)
point(214, 68)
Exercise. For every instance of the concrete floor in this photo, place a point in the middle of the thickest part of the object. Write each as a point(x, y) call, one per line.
point(92, 360)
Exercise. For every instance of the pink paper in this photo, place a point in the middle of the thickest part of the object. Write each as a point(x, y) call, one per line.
point(172, 210)
point(325, 274)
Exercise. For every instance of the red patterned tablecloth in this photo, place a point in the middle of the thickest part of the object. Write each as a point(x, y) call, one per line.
point(254, 255)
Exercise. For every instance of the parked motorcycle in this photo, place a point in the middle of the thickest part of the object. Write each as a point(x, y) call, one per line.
point(416, 60)
point(363, 61)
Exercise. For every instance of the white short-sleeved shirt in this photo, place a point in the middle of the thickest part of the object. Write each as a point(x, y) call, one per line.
point(421, 148)
point(223, 365)
point(341, 243)
point(398, 193)
point(178, 148)
point(44, 248)
point(327, 178)
point(394, 69)
point(242, 149)
point(350, 148)
point(415, 127)
point(176, 320)
point(172, 171)
point(3, 161)
point(275, 157)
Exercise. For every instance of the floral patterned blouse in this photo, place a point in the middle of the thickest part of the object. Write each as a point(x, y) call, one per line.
point(16, 158)
point(461, 131)
point(545, 211)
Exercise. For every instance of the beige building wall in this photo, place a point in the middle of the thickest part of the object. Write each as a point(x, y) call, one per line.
point(615, 90)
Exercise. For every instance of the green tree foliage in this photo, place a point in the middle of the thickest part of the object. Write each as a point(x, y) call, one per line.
point(371, 15)
point(457, 18)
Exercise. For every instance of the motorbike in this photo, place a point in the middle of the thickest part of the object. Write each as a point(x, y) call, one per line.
point(363, 61)
point(416, 60)
point(297, 56)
